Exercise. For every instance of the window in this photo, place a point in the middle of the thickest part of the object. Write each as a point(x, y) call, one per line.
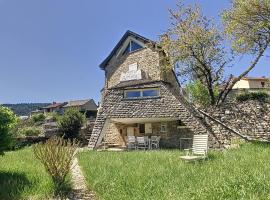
point(132, 46)
point(263, 84)
point(150, 93)
point(142, 128)
point(141, 93)
point(132, 94)
point(163, 128)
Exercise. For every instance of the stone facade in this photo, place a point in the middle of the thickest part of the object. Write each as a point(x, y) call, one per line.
point(150, 67)
point(169, 107)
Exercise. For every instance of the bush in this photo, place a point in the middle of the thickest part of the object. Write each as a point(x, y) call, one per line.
point(57, 154)
point(29, 131)
point(7, 121)
point(38, 118)
point(198, 93)
point(71, 122)
point(260, 96)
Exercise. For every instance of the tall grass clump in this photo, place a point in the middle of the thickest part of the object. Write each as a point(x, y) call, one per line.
point(57, 154)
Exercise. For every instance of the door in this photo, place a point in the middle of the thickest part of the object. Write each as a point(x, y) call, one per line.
point(130, 131)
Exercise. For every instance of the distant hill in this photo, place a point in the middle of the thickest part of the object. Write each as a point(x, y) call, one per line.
point(22, 109)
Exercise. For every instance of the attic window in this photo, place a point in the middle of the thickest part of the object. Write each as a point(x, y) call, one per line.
point(132, 46)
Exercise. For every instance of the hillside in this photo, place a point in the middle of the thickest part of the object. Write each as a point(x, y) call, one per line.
point(22, 109)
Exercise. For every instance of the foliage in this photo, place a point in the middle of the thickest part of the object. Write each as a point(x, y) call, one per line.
point(198, 93)
point(7, 121)
point(24, 109)
point(38, 118)
point(29, 131)
point(71, 122)
point(247, 23)
point(260, 96)
point(54, 116)
point(22, 176)
point(56, 155)
point(196, 46)
point(234, 174)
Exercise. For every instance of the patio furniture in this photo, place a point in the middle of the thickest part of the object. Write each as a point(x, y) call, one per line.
point(199, 148)
point(131, 142)
point(155, 142)
point(148, 142)
point(141, 143)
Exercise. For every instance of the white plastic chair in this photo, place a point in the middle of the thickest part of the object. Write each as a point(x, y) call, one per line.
point(131, 142)
point(155, 142)
point(199, 148)
point(141, 143)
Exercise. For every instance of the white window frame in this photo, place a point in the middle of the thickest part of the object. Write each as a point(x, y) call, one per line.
point(141, 93)
point(163, 128)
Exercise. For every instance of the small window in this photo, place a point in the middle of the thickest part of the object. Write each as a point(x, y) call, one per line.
point(132, 94)
point(142, 128)
point(150, 93)
point(263, 84)
point(132, 46)
point(163, 128)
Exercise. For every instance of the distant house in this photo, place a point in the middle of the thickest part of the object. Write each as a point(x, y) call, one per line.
point(54, 107)
point(253, 84)
point(88, 106)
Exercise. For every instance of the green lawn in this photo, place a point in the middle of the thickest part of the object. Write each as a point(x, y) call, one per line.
point(236, 174)
point(23, 177)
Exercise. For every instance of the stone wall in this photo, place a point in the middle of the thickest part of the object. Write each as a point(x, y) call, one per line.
point(250, 118)
point(147, 60)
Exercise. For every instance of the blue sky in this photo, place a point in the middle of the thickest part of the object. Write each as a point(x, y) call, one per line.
point(50, 49)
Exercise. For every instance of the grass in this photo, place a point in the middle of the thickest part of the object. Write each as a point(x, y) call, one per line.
point(236, 174)
point(23, 177)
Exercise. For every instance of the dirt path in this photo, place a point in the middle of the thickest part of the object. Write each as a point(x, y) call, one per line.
point(79, 191)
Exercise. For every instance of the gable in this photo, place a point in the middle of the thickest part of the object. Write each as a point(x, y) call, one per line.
point(129, 41)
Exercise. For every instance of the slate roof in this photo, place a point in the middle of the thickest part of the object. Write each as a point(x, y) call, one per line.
point(124, 84)
point(76, 103)
point(54, 105)
point(118, 45)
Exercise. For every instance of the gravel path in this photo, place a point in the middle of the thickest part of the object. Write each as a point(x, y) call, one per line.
point(79, 191)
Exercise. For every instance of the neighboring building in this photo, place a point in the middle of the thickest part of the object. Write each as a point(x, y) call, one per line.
point(253, 83)
point(54, 107)
point(141, 97)
point(88, 106)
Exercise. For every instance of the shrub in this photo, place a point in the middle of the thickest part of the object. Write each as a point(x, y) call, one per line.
point(260, 96)
point(198, 93)
point(56, 154)
point(29, 131)
point(38, 118)
point(7, 121)
point(71, 122)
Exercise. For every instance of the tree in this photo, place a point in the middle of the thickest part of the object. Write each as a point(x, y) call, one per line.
point(198, 93)
point(7, 121)
point(71, 122)
point(197, 46)
point(247, 23)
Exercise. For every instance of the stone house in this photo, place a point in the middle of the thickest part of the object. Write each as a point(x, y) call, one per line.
point(87, 106)
point(142, 97)
point(54, 107)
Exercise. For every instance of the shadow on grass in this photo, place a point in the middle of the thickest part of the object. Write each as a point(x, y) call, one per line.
point(12, 185)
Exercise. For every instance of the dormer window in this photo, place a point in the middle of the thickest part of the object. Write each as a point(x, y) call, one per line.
point(132, 46)
point(142, 93)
